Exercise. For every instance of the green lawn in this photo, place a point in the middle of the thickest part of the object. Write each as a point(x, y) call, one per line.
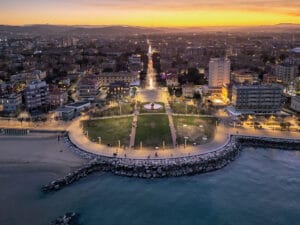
point(195, 128)
point(152, 130)
point(110, 130)
point(182, 108)
point(115, 111)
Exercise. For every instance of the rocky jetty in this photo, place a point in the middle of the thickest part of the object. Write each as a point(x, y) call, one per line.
point(152, 168)
point(169, 167)
point(67, 219)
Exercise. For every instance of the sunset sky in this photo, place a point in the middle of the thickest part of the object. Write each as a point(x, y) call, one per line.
point(150, 12)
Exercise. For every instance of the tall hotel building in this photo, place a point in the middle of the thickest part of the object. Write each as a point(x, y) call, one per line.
point(257, 99)
point(219, 72)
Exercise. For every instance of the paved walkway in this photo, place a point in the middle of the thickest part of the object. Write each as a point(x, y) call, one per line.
point(133, 129)
point(171, 123)
point(78, 138)
point(221, 138)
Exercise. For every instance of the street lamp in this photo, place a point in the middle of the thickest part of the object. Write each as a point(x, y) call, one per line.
point(120, 107)
point(185, 107)
point(185, 139)
point(100, 140)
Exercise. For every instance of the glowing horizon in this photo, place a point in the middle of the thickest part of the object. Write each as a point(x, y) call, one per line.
point(163, 13)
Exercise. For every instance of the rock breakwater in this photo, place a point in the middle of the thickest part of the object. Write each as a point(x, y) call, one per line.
point(153, 168)
point(169, 167)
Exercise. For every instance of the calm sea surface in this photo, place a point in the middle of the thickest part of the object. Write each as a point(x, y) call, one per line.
point(261, 187)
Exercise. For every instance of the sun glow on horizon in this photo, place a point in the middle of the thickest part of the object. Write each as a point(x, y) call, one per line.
point(154, 14)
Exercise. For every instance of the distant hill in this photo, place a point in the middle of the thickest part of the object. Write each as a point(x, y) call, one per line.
point(78, 30)
point(132, 30)
point(115, 30)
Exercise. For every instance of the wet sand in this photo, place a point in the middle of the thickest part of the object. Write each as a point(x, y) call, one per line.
point(27, 163)
point(45, 151)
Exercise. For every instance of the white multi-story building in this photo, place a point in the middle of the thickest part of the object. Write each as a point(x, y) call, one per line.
point(286, 72)
point(135, 59)
point(37, 95)
point(219, 72)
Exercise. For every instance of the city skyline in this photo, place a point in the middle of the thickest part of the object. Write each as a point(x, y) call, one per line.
point(166, 13)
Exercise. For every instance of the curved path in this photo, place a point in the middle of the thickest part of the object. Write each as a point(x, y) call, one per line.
point(221, 138)
point(77, 136)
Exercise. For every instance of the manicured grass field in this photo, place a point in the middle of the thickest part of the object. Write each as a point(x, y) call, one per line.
point(182, 108)
point(199, 130)
point(110, 130)
point(152, 130)
point(125, 109)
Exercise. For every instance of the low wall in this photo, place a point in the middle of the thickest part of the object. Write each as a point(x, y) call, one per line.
point(172, 167)
point(266, 142)
point(23, 131)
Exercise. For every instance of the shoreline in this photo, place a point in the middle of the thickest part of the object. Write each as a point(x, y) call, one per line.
point(170, 167)
point(63, 156)
point(38, 151)
point(43, 177)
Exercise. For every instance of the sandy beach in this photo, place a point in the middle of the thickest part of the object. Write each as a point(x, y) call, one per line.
point(35, 150)
point(27, 163)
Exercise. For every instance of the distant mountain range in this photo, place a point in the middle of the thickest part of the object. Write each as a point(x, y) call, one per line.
point(132, 30)
point(78, 30)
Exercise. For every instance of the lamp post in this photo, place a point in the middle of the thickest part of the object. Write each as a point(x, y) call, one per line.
point(120, 107)
point(185, 139)
point(185, 107)
point(100, 140)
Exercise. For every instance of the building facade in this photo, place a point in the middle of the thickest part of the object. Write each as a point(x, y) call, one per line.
point(37, 95)
point(219, 72)
point(187, 90)
point(172, 80)
point(10, 104)
point(88, 88)
point(295, 103)
point(127, 77)
point(243, 77)
point(257, 99)
point(58, 97)
point(286, 73)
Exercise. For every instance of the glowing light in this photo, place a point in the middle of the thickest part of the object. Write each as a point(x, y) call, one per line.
point(150, 75)
point(151, 83)
point(145, 17)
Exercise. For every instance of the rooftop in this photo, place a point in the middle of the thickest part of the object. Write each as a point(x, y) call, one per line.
point(258, 86)
point(78, 104)
point(296, 50)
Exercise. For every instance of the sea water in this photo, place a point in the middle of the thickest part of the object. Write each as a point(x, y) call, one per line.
point(262, 186)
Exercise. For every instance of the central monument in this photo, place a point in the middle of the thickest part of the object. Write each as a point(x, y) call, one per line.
point(153, 106)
